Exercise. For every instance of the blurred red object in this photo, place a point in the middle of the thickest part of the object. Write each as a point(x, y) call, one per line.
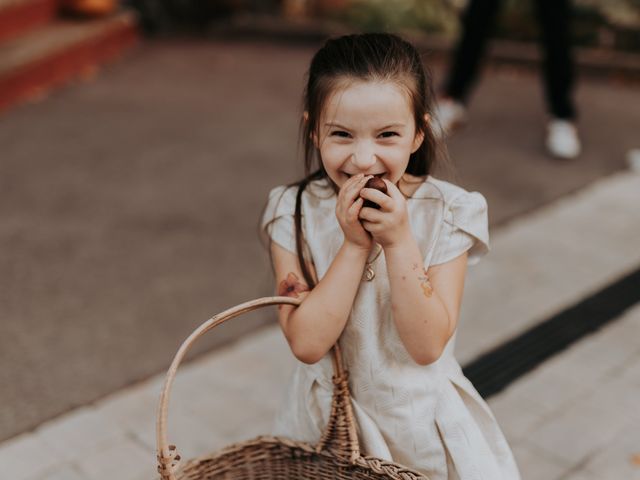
point(89, 8)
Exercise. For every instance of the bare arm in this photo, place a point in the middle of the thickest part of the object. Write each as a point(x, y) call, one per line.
point(425, 304)
point(314, 326)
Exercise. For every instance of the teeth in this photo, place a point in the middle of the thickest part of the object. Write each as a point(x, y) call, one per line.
point(379, 175)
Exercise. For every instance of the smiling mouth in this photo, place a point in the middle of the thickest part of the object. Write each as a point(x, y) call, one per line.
point(379, 175)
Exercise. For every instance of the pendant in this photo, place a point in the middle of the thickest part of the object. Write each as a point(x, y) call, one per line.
point(369, 274)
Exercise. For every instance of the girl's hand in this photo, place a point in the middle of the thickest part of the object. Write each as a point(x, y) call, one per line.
point(348, 209)
point(389, 226)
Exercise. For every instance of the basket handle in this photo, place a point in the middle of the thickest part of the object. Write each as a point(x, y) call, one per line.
point(340, 435)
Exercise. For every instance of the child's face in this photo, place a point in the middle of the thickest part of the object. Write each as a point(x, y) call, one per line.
point(367, 127)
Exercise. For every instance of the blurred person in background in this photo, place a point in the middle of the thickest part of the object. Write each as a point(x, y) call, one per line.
point(562, 139)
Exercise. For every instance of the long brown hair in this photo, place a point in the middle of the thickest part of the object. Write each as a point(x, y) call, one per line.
point(364, 57)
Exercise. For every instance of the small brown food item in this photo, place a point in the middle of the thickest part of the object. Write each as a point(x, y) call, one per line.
point(378, 184)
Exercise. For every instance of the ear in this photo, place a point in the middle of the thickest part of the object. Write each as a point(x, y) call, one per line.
point(417, 142)
point(313, 135)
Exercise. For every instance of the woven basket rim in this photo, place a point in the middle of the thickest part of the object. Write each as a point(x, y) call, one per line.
point(364, 461)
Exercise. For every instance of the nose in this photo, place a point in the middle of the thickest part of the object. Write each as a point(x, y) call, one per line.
point(364, 156)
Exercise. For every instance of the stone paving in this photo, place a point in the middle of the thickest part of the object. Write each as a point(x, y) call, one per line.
point(573, 418)
point(551, 258)
point(576, 416)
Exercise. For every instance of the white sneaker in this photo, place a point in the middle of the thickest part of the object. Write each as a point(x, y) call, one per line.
point(562, 139)
point(449, 115)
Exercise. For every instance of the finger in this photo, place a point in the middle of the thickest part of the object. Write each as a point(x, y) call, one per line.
point(346, 186)
point(344, 200)
point(353, 191)
point(376, 196)
point(354, 210)
point(392, 190)
point(353, 179)
point(370, 215)
point(359, 185)
point(369, 226)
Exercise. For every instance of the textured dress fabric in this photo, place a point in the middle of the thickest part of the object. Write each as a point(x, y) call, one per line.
point(429, 418)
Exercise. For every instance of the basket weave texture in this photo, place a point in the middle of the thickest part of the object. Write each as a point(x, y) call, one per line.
point(336, 456)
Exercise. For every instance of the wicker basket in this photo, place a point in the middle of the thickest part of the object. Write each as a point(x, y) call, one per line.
point(336, 456)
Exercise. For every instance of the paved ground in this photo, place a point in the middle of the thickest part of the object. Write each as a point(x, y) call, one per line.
point(573, 418)
point(130, 204)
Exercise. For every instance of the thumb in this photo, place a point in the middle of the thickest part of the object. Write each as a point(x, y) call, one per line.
point(392, 190)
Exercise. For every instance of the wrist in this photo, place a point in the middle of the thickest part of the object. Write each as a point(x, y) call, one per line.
point(402, 243)
point(356, 251)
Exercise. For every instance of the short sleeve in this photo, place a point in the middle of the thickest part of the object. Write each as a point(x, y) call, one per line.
point(277, 220)
point(465, 228)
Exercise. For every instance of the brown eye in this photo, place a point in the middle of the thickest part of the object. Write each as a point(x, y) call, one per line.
point(389, 134)
point(340, 133)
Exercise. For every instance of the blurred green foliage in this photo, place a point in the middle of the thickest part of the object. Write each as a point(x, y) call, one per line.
point(595, 23)
point(434, 16)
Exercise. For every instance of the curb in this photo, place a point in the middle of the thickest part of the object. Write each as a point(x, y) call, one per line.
point(59, 52)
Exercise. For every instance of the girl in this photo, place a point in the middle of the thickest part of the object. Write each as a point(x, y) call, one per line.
point(391, 279)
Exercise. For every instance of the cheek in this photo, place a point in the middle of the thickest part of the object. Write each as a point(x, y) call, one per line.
point(399, 153)
point(397, 158)
point(334, 155)
point(408, 149)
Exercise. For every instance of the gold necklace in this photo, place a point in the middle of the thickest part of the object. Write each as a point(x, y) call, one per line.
point(369, 272)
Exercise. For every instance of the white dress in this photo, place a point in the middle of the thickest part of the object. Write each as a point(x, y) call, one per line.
point(429, 418)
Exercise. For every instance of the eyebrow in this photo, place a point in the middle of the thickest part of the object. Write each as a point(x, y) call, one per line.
point(393, 125)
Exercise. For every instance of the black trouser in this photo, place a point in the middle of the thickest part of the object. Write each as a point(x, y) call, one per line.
point(553, 18)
